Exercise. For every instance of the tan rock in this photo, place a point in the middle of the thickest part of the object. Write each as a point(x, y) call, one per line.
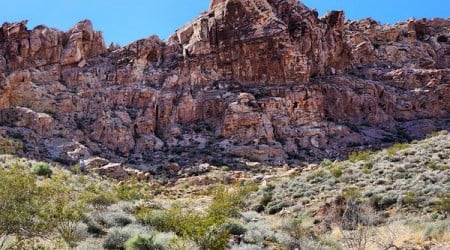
point(113, 170)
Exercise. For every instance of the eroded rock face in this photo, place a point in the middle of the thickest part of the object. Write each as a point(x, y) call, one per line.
point(266, 80)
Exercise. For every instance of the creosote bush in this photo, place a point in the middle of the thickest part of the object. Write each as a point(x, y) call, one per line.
point(139, 242)
point(43, 169)
point(131, 189)
point(360, 156)
point(208, 230)
point(36, 208)
point(396, 147)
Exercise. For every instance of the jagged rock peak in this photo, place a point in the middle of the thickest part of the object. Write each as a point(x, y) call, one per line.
point(274, 3)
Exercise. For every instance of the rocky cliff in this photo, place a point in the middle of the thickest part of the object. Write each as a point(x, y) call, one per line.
point(266, 80)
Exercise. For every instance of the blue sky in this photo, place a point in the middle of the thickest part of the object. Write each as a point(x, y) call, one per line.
point(126, 21)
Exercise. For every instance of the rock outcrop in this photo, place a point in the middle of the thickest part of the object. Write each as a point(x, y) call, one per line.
point(266, 80)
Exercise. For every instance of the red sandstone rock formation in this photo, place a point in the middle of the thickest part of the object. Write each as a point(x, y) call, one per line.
point(266, 80)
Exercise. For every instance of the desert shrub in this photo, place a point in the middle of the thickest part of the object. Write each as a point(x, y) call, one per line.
point(410, 199)
point(72, 232)
point(116, 218)
point(93, 226)
point(443, 204)
point(356, 219)
point(8, 146)
point(117, 236)
point(336, 171)
point(381, 202)
point(297, 230)
point(437, 230)
point(42, 169)
point(433, 165)
point(235, 227)
point(131, 190)
point(75, 169)
point(142, 243)
point(396, 147)
point(360, 156)
point(116, 239)
point(432, 134)
point(207, 230)
point(275, 206)
point(246, 247)
point(165, 239)
point(326, 163)
point(98, 196)
point(203, 229)
point(316, 174)
point(64, 211)
point(366, 170)
point(266, 198)
point(227, 203)
point(21, 202)
point(351, 193)
point(258, 232)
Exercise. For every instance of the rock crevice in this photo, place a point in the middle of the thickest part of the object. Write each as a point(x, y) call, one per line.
point(265, 80)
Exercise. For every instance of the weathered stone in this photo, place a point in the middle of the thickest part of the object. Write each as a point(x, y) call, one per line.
point(266, 79)
point(113, 170)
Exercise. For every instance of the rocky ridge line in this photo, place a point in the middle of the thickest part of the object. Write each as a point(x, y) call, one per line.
point(266, 80)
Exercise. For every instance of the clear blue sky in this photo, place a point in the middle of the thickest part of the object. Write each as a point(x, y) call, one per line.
point(126, 21)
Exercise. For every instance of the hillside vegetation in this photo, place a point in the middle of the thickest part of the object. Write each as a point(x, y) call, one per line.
point(397, 198)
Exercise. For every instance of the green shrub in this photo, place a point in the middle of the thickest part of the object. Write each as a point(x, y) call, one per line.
point(326, 163)
point(360, 156)
point(351, 193)
point(43, 169)
point(141, 243)
point(165, 239)
point(336, 171)
point(64, 211)
point(98, 196)
point(410, 199)
point(366, 170)
point(22, 203)
point(131, 190)
point(274, 207)
point(158, 219)
point(396, 147)
point(381, 202)
point(207, 230)
point(433, 165)
point(316, 174)
point(444, 167)
point(235, 227)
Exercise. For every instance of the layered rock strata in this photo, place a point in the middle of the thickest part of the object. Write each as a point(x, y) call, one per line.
point(265, 80)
